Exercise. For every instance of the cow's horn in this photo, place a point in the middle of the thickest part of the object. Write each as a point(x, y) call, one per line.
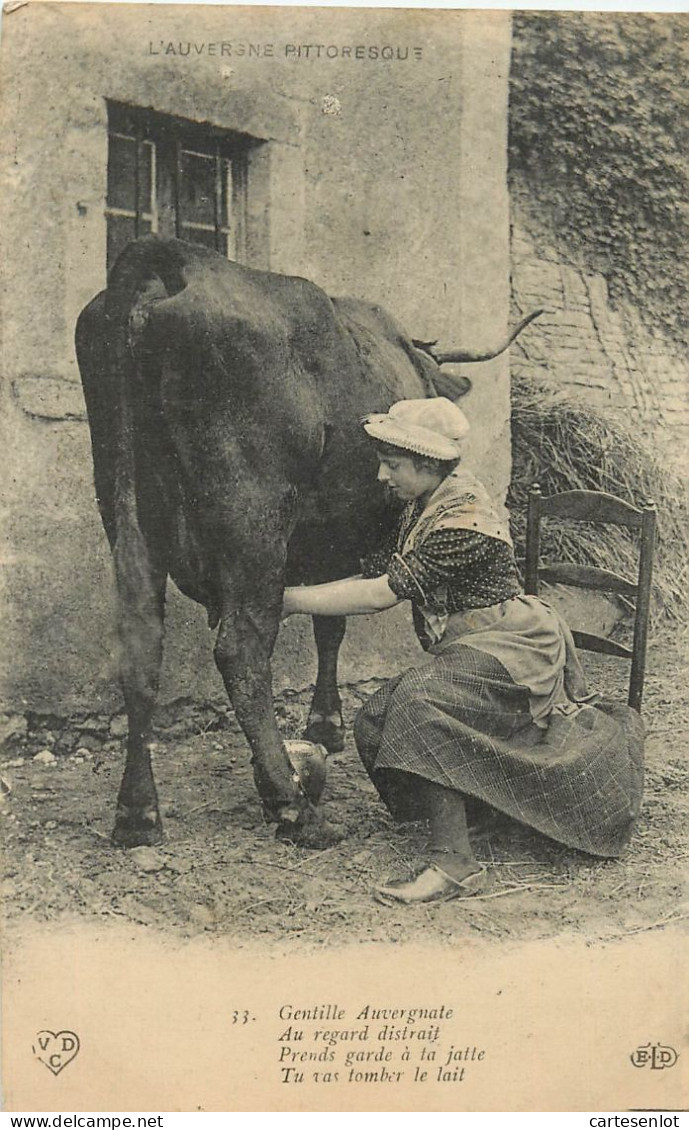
point(463, 356)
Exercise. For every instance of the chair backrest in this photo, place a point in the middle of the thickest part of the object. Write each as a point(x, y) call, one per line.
point(597, 506)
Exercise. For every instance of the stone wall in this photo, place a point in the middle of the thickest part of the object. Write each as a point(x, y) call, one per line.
point(603, 353)
point(598, 180)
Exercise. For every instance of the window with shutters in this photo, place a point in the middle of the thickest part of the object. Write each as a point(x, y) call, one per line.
point(175, 178)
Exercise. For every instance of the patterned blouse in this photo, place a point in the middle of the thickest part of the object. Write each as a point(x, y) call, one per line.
point(451, 570)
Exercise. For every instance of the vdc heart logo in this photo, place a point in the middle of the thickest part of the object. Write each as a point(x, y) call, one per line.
point(56, 1049)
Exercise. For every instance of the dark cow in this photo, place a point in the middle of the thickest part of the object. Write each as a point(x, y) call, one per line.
point(224, 407)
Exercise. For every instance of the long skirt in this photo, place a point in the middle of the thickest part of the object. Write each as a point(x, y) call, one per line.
point(461, 721)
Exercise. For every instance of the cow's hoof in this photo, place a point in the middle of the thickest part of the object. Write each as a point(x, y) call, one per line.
point(141, 829)
point(321, 731)
point(314, 833)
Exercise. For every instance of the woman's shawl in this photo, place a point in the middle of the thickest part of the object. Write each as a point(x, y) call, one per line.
point(461, 502)
point(524, 633)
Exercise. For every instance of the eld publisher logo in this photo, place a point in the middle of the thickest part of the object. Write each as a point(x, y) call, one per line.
point(655, 1056)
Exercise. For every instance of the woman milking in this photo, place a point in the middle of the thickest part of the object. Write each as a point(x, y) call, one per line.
point(496, 712)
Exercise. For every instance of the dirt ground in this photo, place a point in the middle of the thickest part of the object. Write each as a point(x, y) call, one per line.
point(221, 872)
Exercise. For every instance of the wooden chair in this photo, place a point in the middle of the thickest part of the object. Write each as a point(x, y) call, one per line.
point(597, 506)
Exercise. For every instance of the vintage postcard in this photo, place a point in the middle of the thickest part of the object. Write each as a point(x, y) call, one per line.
point(298, 295)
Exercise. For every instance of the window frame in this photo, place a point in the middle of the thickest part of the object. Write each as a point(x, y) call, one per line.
point(170, 139)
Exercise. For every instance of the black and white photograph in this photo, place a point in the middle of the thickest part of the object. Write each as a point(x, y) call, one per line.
point(343, 692)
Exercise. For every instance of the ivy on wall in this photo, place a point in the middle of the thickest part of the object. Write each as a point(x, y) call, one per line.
point(599, 138)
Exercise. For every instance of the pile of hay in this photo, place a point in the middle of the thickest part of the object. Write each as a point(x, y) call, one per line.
point(561, 443)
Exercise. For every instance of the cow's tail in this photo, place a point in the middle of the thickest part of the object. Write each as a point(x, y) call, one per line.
point(140, 552)
point(147, 270)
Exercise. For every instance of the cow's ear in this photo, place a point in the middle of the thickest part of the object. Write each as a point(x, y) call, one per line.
point(452, 385)
point(424, 346)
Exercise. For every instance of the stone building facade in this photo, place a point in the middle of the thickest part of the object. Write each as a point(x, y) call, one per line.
point(365, 150)
point(599, 351)
point(598, 189)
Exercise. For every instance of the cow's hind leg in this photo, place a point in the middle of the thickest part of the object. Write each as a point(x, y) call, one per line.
point(251, 584)
point(141, 596)
point(325, 723)
point(242, 654)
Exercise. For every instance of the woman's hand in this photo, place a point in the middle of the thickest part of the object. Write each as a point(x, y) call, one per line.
point(287, 604)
